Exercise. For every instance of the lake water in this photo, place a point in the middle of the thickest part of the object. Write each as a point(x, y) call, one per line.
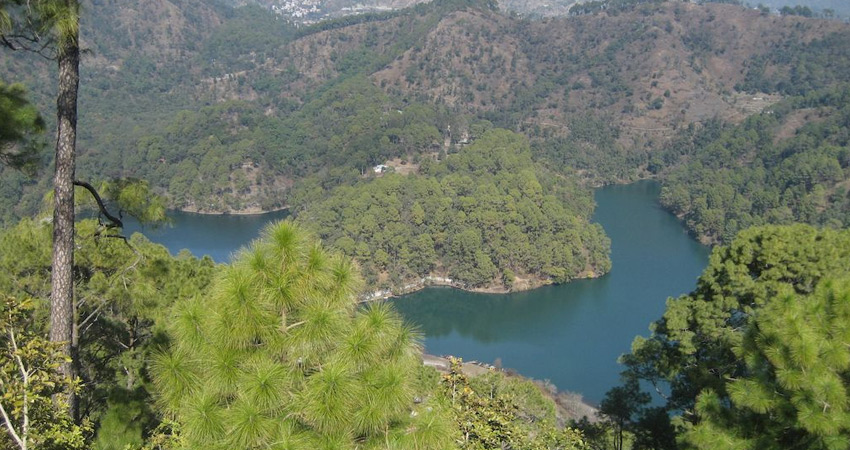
point(218, 236)
point(570, 334)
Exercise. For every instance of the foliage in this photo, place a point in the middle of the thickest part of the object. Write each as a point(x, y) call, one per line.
point(355, 124)
point(489, 415)
point(797, 10)
point(233, 154)
point(692, 349)
point(483, 216)
point(597, 434)
point(592, 148)
point(794, 390)
point(619, 406)
point(251, 27)
point(226, 108)
point(279, 356)
point(29, 377)
point(41, 26)
point(20, 127)
point(533, 406)
point(596, 6)
point(626, 420)
point(686, 143)
point(134, 197)
point(797, 68)
point(753, 175)
point(122, 292)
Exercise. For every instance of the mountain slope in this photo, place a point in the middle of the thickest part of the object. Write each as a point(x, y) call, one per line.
point(598, 93)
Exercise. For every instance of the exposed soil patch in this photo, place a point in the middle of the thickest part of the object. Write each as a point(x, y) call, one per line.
point(402, 167)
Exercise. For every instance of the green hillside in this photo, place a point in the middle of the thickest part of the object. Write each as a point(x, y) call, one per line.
point(254, 104)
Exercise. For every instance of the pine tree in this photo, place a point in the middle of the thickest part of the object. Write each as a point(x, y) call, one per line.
point(796, 391)
point(20, 125)
point(65, 17)
point(692, 348)
point(280, 356)
point(123, 293)
point(54, 26)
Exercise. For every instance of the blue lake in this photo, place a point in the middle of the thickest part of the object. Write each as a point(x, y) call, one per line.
point(218, 236)
point(570, 334)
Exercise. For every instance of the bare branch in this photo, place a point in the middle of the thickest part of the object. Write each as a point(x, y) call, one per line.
point(11, 429)
point(89, 317)
point(25, 378)
point(116, 222)
point(90, 325)
point(32, 44)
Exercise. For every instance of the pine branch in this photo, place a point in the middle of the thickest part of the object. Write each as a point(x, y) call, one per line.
point(116, 222)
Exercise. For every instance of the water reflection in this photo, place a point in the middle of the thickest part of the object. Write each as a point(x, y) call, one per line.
point(218, 236)
point(572, 334)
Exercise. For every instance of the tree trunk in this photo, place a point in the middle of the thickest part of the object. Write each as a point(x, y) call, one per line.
point(62, 281)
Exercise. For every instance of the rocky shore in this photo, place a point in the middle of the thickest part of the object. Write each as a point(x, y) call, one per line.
point(520, 284)
point(247, 211)
point(571, 405)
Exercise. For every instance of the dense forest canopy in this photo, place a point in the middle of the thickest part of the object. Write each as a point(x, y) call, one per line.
point(483, 216)
point(789, 164)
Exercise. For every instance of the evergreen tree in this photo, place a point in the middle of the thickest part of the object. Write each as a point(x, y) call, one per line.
point(65, 20)
point(20, 124)
point(692, 345)
point(482, 217)
point(795, 392)
point(45, 25)
point(620, 406)
point(692, 352)
point(123, 292)
point(279, 356)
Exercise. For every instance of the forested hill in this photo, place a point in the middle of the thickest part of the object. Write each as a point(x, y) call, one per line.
point(789, 164)
point(484, 218)
point(224, 109)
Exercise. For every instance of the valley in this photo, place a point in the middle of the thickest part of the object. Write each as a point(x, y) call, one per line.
point(565, 166)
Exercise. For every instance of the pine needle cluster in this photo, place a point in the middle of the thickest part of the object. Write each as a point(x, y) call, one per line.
point(795, 393)
point(279, 356)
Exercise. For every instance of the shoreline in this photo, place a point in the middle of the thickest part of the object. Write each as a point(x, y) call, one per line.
point(570, 405)
point(527, 284)
point(434, 281)
point(252, 211)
